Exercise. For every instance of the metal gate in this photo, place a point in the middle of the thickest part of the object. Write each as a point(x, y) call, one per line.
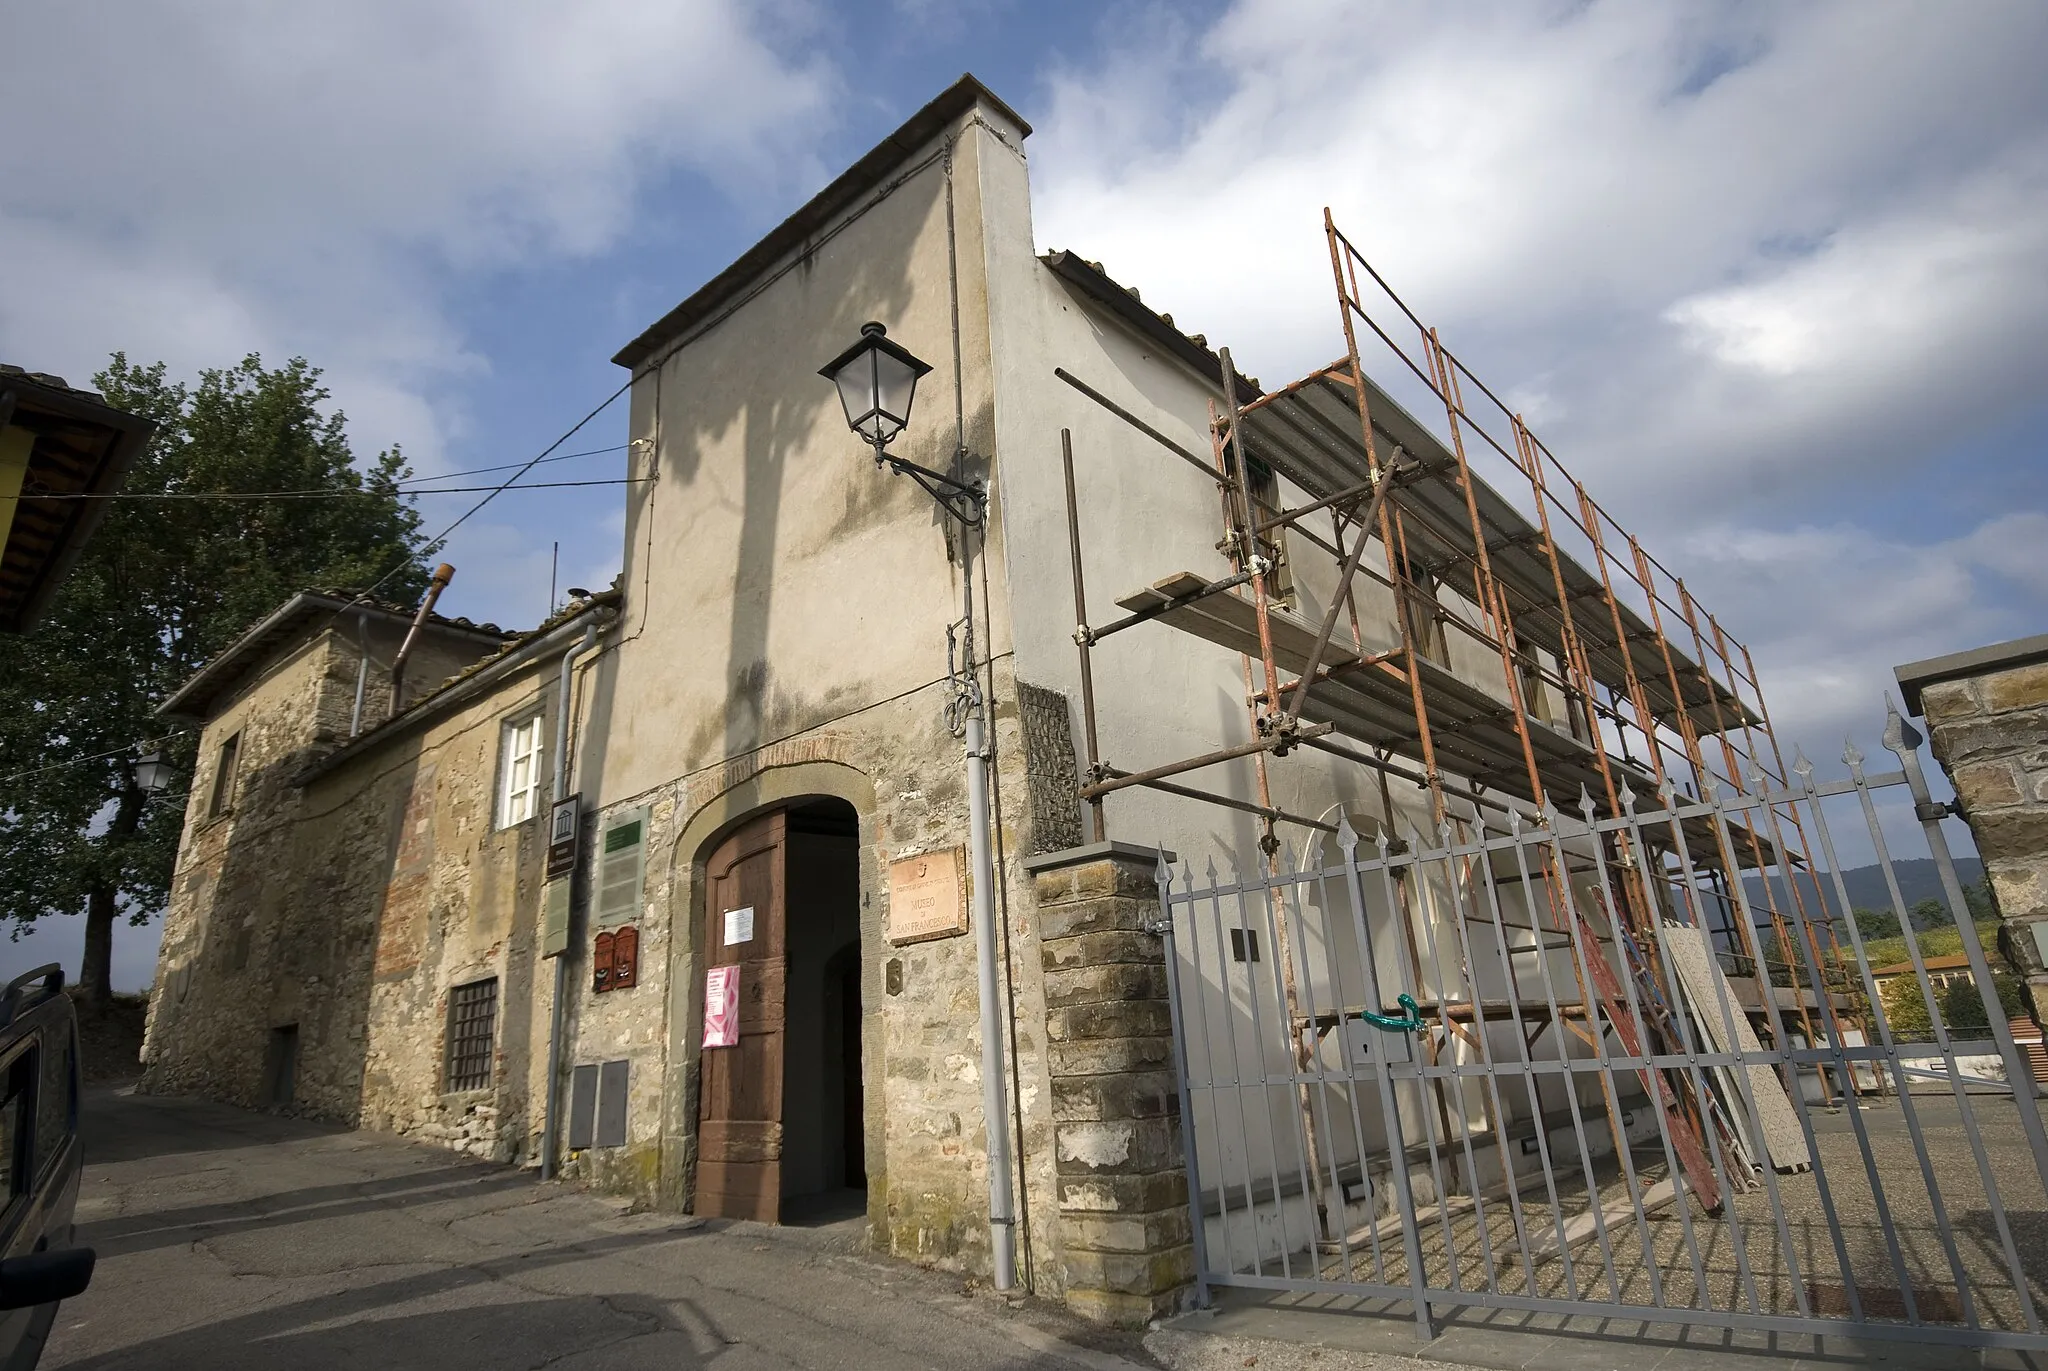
point(1588, 1065)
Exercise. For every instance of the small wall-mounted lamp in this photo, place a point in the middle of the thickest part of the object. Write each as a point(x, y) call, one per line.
point(877, 383)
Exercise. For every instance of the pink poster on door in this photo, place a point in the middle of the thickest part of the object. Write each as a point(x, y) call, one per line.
point(722, 1007)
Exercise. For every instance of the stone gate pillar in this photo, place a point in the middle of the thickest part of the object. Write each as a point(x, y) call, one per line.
point(1987, 717)
point(1123, 1185)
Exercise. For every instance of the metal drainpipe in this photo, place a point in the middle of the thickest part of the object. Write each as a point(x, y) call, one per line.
point(995, 1109)
point(443, 574)
point(551, 1123)
point(355, 718)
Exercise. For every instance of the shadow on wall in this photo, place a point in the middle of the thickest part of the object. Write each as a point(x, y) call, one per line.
point(318, 910)
point(744, 380)
point(753, 398)
point(268, 1005)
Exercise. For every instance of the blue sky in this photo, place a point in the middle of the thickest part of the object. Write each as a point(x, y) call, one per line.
point(1772, 279)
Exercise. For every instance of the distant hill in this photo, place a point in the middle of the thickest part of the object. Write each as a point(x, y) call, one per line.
point(1919, 879)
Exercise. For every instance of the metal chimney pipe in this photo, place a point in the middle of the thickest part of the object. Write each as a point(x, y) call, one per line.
point(443, 574)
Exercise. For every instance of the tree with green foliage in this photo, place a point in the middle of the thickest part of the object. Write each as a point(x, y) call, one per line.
point(1963, 1007)
point(1905, 1009)
point(1929, 914)
point(1932, 913)
point(163, 587)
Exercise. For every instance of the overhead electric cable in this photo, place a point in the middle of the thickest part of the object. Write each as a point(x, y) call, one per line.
point(318, 494)
point(439, 539)
point(507, 466)
point(97, 756)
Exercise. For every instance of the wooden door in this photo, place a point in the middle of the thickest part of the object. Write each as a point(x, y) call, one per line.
point(739, 1112)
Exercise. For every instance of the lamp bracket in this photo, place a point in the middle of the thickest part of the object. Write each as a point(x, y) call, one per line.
point(965, 501)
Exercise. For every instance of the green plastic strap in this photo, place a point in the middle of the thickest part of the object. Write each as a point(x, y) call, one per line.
point(1408, 1021)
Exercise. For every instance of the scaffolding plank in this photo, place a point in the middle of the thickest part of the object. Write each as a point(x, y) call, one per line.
point(1782, 1139)
point(1232, 622)
point(1472, 731)
point(1310, 435)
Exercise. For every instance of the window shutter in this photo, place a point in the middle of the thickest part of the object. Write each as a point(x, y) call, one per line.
point(622, 866)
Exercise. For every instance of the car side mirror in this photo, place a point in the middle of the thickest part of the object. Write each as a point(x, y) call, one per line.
point(45, 1277)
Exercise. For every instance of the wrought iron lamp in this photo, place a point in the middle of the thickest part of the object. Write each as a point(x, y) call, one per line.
point(877, 380)
point(877, 383)
point(152, 773)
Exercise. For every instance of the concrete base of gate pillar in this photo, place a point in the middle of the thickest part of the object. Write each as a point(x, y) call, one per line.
point(1123, 1185)
point(1987, 717)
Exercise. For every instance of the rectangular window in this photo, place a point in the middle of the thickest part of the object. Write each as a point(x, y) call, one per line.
point(1424, 613)
point(1535, 690)
point(472, 1028)
point(1272, 544)
point(519, 795)
point(223, 798)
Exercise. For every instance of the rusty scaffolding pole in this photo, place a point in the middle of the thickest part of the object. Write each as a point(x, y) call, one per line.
point(1596, 706)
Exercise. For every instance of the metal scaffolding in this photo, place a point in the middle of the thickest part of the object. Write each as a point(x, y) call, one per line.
point(1495, 558)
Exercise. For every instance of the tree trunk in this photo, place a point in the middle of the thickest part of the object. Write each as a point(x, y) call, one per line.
point(96, 965)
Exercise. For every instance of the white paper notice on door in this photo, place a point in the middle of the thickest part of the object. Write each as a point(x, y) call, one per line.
point(739, 925)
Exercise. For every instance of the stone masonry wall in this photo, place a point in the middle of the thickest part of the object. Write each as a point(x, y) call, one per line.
point(348, 907)
point(230, 969)
point(1123, 1193)
point(902, 772)
point(1990, 733)
point(459, 903)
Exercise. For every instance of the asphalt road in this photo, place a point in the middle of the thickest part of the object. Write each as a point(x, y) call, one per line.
point(232, 1240)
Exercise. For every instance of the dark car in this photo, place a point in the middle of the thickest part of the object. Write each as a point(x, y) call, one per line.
point(39, 1150)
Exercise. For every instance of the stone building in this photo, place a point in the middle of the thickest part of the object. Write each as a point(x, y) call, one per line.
point(760, 737)
point(1987, 714)
point(261, 967)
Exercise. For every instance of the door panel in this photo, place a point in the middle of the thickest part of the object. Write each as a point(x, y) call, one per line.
point(739, 1115)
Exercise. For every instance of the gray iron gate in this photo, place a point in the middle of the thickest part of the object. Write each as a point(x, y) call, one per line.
point(1572, 1067)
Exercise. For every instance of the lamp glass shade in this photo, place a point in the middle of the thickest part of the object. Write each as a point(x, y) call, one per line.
point(152, 773)
point(877, 382)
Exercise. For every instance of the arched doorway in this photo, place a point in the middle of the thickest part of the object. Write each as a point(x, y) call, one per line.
point(780, 1106)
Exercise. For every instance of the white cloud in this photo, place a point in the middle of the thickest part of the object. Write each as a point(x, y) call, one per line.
point(202, 177)
point(1897, 329)
point(1830, 609)
point(1736, 261)
point(2013, 547)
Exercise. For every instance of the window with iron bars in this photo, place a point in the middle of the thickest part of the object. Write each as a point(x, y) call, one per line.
point(472, 1026)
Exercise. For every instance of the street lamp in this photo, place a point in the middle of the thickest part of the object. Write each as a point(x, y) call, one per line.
point(152, 773)
point(877, 380)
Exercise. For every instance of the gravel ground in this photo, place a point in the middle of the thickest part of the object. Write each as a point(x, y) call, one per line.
point(1933, 1221)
